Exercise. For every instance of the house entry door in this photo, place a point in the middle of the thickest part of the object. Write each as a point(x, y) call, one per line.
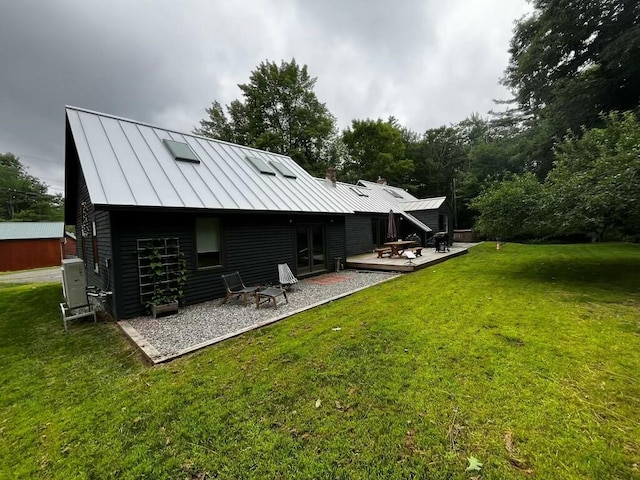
point(379, 231)
point(310, 248)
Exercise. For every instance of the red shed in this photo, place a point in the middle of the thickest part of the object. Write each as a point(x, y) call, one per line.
point(26, 245)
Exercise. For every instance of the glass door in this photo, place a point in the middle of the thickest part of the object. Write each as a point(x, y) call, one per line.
point(379, 231)
point(310, 248)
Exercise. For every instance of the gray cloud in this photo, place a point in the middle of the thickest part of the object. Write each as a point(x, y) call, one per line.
point(427, 63)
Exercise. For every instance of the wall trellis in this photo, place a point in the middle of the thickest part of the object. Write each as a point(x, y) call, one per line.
point(163, 277)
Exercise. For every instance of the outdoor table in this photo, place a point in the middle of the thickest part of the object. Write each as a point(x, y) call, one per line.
point(399, 246)
point(269, 294)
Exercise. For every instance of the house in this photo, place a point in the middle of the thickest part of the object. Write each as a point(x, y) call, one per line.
point(26, 245)
point(436, 213)
point(134, 190)
point(224, 207)
point(366, 227)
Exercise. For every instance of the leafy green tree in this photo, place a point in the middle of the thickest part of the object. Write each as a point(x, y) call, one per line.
point(23, 197)
point(581, 54)
point(512, 209)
point(570, 61)
point(279, 112)
point(595, 183)
point(594, 187)
point(438, 157)
point(375, 149)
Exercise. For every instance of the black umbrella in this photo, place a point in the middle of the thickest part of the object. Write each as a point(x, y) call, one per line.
point(392, 233)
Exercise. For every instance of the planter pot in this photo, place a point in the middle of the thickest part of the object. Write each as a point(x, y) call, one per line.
point(164, 309)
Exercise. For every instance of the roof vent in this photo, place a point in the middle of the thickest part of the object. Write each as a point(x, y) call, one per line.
point(261, 165)
point(181, 151)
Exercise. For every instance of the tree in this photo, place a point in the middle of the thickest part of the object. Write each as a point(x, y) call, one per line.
point(279, 113)
point(438, 157)
point(512, 209)
point(23, 197)
point(570, 61)
point(593, 187)
point(375, 149)
point(595, 183)
point(581, 54)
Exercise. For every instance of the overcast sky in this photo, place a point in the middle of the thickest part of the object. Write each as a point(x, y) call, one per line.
point(426, 62)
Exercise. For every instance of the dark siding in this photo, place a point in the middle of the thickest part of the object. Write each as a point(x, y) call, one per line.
point(359, 237)
point(428, 217)
point(251, 244)
point(335, 236)
point(431, 218)
point(105, 274)
point(127, 229)
point(102, 278)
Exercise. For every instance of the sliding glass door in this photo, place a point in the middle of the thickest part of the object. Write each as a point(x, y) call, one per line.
point(310, 248)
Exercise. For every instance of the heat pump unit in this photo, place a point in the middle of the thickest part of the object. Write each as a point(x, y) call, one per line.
point(74, 284)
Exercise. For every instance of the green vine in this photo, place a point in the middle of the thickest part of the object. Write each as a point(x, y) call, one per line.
point(168, 280)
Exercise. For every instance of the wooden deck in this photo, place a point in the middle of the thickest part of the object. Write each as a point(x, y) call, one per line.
point(369, 261)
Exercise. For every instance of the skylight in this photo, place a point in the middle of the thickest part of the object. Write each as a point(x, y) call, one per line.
point(358, 192)
point(283, 169)
point(181, 151)
point(261, 165)
point(393, 193)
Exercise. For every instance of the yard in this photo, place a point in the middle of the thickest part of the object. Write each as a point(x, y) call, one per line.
point(527, 359)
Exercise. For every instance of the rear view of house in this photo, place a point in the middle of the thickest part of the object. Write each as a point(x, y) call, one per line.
point(135, 190)
point(221, 207)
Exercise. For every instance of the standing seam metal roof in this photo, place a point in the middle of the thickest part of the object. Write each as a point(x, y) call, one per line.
point(31, 230)
point(125, 163)
point(373, 202)
point(424, 204)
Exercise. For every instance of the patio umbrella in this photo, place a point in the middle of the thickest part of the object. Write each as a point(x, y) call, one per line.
point(392, 233)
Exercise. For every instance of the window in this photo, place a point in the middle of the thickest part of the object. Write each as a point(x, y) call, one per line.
point(260, 165)
point(393, 193)
point(358, 192)
point(208, 242)
point(283, 169)
point(94, 238)
point(181, 151)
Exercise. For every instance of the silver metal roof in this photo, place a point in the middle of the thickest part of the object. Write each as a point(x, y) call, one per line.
point(424, 204)
point(361, 199)
point(402, 198)
point(394, 193)
point(125, 163)
point(31, 230)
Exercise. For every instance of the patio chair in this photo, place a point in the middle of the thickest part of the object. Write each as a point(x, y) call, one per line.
point(236, 288)
point(286, 276)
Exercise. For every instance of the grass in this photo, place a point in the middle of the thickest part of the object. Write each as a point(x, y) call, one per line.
point(526, 358)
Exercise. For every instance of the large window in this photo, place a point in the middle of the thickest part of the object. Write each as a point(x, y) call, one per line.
point(208, 242)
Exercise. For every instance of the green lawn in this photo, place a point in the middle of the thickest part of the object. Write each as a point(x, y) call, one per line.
point(527, 358)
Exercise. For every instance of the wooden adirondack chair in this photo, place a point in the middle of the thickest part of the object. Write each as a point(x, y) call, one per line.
point(236, 288)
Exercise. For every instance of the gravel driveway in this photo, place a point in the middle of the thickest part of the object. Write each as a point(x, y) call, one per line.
point(38, 275)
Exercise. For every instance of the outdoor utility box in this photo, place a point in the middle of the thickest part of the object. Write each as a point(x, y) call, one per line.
point(74, 284)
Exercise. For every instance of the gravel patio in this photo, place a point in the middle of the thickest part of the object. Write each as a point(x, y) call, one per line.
point(197, 326)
